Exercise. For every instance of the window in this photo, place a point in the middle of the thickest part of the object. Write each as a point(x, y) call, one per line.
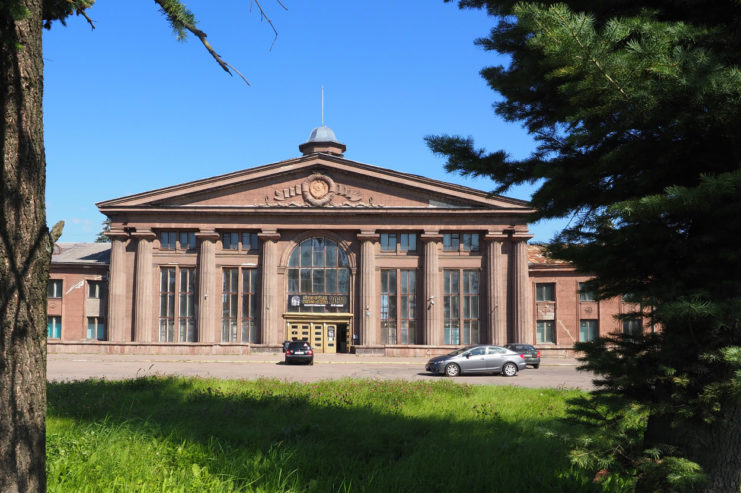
point(177, 298)
point(632, 326)
point(54, 327)
point(545, 291)
point(451, 241)
point(587, 330)
point(318, 277)
point(54, 288)
point(545, 331)
point(470, 242)
point(401, 242)
point(465, 242)
point(461, 306)
point(239, 306)
point(177, 240)
point(244, 241)
point(408, 242)
point(586, 294)
point(398, 306)
point(95, 289)
point(388, 242)
point(96, 328)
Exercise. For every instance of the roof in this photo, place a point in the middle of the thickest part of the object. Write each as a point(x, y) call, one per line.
point(537, 254)
point(82, 253)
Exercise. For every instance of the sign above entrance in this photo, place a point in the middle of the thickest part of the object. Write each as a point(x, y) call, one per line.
point(330, 302)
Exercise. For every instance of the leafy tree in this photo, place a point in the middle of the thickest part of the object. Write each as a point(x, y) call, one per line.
point(25, 241)
point(636, 108)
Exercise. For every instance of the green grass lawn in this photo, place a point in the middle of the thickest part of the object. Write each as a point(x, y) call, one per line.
point(183, 434)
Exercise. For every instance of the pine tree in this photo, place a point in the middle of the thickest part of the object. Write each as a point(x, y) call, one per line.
point(636, 108)
point(25, 241)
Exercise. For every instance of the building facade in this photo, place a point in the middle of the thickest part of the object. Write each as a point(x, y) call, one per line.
point(349, 256)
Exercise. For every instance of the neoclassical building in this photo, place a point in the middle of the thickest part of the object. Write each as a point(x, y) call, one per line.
point(349, 256)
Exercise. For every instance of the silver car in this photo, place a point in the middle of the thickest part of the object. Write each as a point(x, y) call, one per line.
point(478, 359)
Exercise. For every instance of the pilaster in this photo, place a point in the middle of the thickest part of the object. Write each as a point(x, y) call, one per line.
point(496, 295)
point(207, 295)
point(270, 306)
point(143, 301)
point(432, 302)
point(116, 316)
point(368, 312)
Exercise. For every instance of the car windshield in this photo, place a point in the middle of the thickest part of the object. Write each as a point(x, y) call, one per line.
point(298, 345)
point(460, 351)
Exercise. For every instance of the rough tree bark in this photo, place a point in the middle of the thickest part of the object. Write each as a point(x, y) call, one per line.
point(25, 253)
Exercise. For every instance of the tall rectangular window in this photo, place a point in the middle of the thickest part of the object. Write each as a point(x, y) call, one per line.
point(186, 308)
point(408, 304)
point(388, 306)
point(54, 327)
point(587, 330)
point(586, 294)
point(96, 328)
point(95, 289)
point(249, 306)
point(239, 306)
point(54, 288)
point(451, 307)
point(398, 306)
point(545, 291)
point(167, 304)
point(545, 331)
point(461, 306)
point(470, 307)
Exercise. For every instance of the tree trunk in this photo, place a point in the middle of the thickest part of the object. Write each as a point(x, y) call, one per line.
point(718, 451)
point(25, 247)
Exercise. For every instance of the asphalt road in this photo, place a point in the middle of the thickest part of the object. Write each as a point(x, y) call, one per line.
point(554, 373)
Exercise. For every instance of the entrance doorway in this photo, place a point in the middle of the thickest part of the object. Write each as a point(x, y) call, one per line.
point(325, 336)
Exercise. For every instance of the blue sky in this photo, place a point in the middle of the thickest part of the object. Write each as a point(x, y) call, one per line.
point(128, 108)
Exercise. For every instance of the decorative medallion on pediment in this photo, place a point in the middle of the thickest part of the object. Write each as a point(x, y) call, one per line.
point(319, 190)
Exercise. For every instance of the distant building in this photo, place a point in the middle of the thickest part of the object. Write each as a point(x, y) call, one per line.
point(349, 256)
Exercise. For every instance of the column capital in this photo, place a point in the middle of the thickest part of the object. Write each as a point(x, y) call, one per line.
point(368, 236)
point(522, 236)
point(431, 236)
point(117, 234)
point(146, 234)
point(269, 235)
point(210, 235)
point(495, 236)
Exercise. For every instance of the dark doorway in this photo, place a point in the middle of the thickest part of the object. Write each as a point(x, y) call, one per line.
point(342, 338)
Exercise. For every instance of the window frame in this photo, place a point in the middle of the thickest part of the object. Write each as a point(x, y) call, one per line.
point(237, 241)
point(53, 328)
point(171, 240)
point(461, 242)
point(585, 295)
point(396, 328)
point(543, 329)
point(180, 326)
point(460, 301)
point(591, 325)
point(97, 287)
point(51, 289)
point(98, 327)
point(241, 326)
point(540, 297)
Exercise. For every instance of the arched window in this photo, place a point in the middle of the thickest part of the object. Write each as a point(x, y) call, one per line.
point(318, 277)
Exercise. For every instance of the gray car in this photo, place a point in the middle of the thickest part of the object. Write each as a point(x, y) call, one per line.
point(480, 358)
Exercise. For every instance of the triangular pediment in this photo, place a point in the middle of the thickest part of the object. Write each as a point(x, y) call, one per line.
point(315, 181)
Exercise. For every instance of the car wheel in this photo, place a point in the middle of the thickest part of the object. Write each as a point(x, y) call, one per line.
point(452, 370)
point(311, 363)
point(509, 370)
point(536, 366)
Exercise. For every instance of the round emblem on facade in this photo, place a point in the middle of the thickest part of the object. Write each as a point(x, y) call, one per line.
point(318, 189)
